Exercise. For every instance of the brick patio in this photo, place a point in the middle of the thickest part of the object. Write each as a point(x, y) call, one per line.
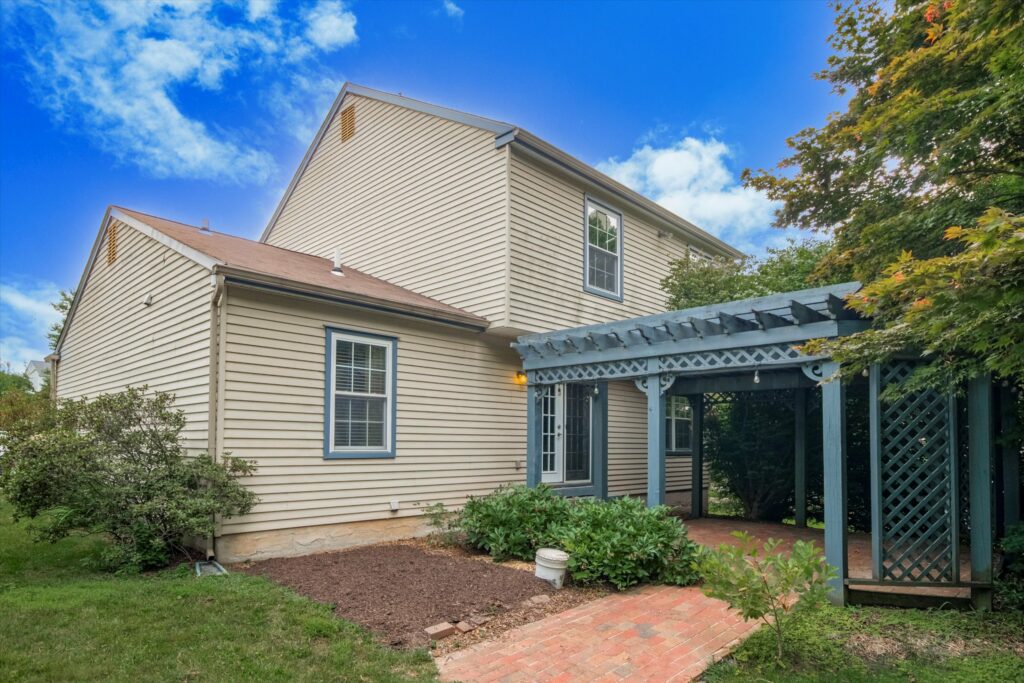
point(653, 633)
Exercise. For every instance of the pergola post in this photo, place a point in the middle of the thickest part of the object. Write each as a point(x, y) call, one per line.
point(534, 432)
point(979, 451)
point(1010, 452)
point(800, 457)
point(697, 457)
point(599, 439)
point(833, 415)
point(655, 442)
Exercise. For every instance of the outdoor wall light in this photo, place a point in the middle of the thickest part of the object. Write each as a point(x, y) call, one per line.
point(520, 377)
point(757, 376)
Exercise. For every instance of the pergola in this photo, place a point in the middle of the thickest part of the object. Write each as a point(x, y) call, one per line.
point(753, 345)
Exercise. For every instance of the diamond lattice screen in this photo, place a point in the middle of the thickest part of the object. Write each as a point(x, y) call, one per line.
point(919, 489)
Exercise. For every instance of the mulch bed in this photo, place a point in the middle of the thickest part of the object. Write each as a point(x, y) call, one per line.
point(397, 590)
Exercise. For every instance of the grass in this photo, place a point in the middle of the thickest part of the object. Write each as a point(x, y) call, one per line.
point(877, 644)
point(65, 620)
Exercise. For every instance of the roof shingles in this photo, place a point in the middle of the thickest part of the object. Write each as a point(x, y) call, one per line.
point(304, 271)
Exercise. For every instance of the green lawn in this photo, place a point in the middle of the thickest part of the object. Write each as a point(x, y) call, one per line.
point(63, 620)
point(876, 644)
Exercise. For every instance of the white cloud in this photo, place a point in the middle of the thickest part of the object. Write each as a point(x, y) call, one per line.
point(691, 178)
point(25, 317)
point(330, 25)
point(117, 71)
point(259, 9)
point(453, 10)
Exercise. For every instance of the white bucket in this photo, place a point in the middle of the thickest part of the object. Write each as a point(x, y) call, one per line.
point(551, 565)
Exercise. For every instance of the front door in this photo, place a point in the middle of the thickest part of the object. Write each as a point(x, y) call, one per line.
point(566, 434)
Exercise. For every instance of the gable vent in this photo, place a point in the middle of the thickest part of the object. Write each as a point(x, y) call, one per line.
point(111, 243)
point(348, 123)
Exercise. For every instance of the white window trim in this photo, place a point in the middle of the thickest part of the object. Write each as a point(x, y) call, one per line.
point(616, 295)
point(390, 346)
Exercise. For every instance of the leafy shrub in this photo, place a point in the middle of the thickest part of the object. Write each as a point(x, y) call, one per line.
point(768, 586)
point(115, 465)
point(444, 525)
point(512, 522)
point(1009, 587)
point(624, 542)
point(1013, 549)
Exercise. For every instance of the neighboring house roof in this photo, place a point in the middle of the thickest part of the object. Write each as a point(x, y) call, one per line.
point(37, 366)
point(275, 268)
point(505, 134)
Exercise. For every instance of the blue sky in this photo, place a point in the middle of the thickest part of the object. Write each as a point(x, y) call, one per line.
point(193, 109)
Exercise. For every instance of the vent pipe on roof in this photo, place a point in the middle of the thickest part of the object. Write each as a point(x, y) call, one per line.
point(337, 263)
point(206, 225)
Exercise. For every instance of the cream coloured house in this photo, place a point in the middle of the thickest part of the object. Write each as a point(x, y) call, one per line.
point(359, 352)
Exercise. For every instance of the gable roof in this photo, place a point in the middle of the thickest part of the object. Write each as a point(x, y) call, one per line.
point(274, 268)
point(504, 134)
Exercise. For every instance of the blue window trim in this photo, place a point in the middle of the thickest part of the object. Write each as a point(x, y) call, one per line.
point(679, 452)
point(620, 295)
point(330, 454)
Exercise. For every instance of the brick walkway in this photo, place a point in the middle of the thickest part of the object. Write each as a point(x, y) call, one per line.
point(654, 633)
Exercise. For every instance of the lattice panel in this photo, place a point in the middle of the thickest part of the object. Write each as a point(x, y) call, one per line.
point(919, 490)
point(729, 358)
point(682, 363)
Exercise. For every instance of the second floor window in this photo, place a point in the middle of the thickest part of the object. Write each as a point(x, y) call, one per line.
point(603, 257)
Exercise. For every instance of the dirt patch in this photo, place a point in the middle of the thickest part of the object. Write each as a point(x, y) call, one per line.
point(397, 590)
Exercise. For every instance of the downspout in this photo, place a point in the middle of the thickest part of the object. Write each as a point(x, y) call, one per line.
point(215, 383)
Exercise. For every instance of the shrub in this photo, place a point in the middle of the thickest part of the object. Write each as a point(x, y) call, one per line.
point(625, 543)
point(768, 586)
point(444, 525)
point(512, 522)
point(115, 465)
point(1009, 587)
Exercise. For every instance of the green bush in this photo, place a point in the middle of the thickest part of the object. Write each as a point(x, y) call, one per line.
point(1009, 587)
point(512, 522)
point(768, 586)
point(115, 465)
point(624, 542)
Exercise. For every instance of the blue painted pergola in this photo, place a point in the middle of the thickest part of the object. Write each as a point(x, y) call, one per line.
point(753, 345)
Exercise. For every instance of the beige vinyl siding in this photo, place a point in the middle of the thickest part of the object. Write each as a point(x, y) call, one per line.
point(114, 340)
point(627, 445)
point(412, 198)
point(546, 287)
point(461, 417)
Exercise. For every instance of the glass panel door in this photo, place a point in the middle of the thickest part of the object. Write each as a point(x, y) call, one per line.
point(577, 432)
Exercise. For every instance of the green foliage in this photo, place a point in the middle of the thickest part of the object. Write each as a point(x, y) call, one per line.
point(625, 543)
point(697, 282)
point(115, 465)
point(930, 136)
point(512, 522)
point(1013, 549)
point(33, 408)
point(62, 306)
point(765, 586)
point(870, 644)
point(962, 312)
point(10, 381)
point(620, 541)
point(444, 525)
